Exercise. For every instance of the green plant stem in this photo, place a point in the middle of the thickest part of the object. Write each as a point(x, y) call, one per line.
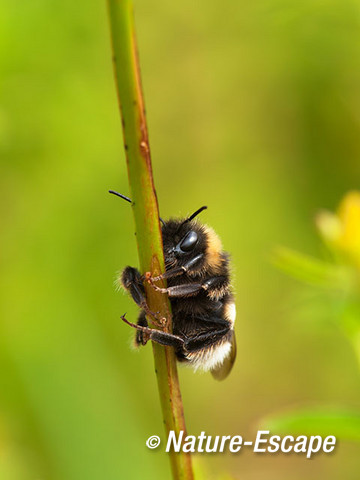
point(146, 212)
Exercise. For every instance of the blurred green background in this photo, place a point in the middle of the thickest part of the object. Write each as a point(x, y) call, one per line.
point(253, 109)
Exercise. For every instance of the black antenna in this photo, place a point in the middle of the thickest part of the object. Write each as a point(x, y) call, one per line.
point(120, 195)
point(192, 216)
point(196, 213)
point(130, 201)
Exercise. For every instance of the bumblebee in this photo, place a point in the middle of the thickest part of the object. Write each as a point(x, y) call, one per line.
point(198, 286)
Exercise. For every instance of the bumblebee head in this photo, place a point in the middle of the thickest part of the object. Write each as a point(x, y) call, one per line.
point(182, 240)
point(187, 239)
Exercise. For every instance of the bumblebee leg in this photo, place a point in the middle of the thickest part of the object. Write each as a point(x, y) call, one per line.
point(174, 272)
point(215, 320)
point(214, 285)
point(141, 338)
point(158, 336)
point(132, 282)
point(205, 339)
point(185, 290)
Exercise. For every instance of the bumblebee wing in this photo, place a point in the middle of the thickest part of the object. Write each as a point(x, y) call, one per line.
point(221, 372)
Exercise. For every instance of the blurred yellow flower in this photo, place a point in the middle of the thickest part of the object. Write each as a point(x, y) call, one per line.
point(341, 231)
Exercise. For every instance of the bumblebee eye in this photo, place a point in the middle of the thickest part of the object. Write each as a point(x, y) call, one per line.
point(189, 241)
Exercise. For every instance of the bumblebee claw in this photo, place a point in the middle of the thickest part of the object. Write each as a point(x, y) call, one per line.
point(159, 322)
point(155, 279)
point(124, 319)
point(147, 276)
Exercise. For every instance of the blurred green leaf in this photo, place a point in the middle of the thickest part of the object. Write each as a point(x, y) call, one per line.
point(311, 270)
point(345, 425)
